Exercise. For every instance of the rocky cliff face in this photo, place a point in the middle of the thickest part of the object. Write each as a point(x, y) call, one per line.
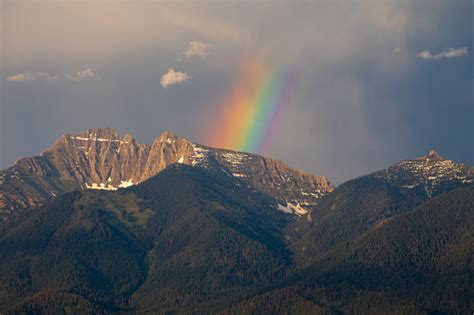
point(102, 159)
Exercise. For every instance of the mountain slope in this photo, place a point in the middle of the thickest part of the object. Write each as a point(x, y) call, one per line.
point(101, 159)
point(194, 239)
point(186, 237)
point(365, 202)
point(196, 229)
point(418, 262)
point(67, 247)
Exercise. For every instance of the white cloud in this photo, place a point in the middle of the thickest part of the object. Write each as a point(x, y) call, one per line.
point(84, 74)
point(445, 54)
point(198, 49)
point(31, 76)
point(173, 77)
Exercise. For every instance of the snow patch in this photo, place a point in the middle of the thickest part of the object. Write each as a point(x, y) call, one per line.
point(168, 140)
point(284, 209)
point(239, 175)
point(98, 139)
point(234, 158)
point(101, 186)
point(107, 186)
point(199, 156)
point(292, 209)
point(124, 184)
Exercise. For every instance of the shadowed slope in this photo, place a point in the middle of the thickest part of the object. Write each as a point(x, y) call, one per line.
point(184, 237)
point(417, 262)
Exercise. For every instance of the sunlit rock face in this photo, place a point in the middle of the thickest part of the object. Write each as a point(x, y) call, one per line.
point(102, 159)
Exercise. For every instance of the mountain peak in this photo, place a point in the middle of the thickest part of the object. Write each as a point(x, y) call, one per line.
point(168, 135)
point(432, 155)
point(107, 133)
point(99, 134)
point(128, 137)
point(431, 174)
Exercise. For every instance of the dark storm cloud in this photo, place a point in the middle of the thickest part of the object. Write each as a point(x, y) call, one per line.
point(364, 99)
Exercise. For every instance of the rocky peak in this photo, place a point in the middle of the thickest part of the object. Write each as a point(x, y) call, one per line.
point(128, 138)
point(85, 140)
point(107, 133)
point(98, 134)
point(431, 174)
point(96, 158)
point(166, 138)
point(432, 156)
point(167, 149)
point(167, 135)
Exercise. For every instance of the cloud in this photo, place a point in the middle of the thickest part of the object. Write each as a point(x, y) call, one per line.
point(81, 75)
point(445, 54)
point(31, 76)
point(85, 74)
point(198, 49)
point(173, 77)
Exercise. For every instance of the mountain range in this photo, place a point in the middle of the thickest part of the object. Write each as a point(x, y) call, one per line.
point(103, 224)
point(101, 159)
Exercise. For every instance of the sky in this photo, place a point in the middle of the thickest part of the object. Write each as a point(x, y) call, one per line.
point(373, 82)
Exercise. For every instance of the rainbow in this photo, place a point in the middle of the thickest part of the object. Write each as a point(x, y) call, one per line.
point(249, 114)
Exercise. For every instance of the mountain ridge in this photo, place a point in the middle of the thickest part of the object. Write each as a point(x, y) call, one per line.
point(101, 159)
point(367, 202)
